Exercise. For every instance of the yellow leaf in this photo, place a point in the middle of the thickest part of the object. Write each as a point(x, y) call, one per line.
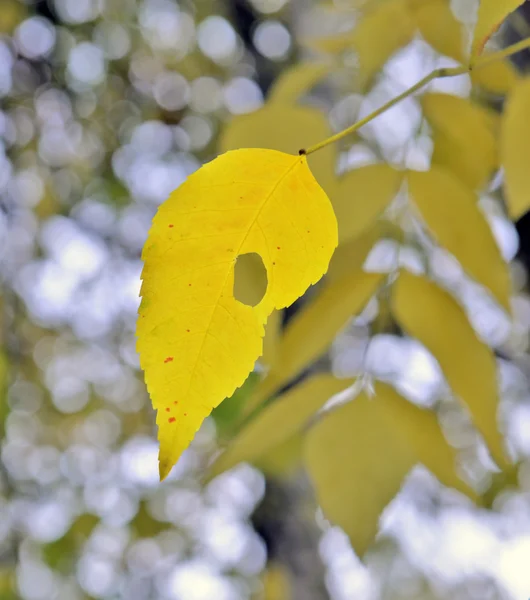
point(515, 150)
point(271, 340)
point(497, 77)
point(431, 315)
point(440, 28)
point(276, 583)
point(296, 81)
point(361, 195)
point(464, 137)
point(491, 14)
point(351, 255)
point(421, 429)
point(359, 454)
point(197, 344)
point(450, 211)
point(279, 421)
point(384, 28)
point(287, 129)
point(283, 460)
point(311, 331)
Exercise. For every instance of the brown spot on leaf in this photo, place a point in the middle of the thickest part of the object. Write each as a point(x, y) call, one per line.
point(168, 409)
point(168, 359)
point(176, 402)
point(170, 225)
point(171, 420)
point(278, 248)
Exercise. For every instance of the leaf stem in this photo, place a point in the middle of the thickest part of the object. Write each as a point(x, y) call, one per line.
point(436, 74)
point(505, 53)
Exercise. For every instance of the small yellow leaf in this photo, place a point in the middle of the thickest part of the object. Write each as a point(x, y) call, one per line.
point(515, 150)
point(440, 28)
point(314, 327)
point(350, 256)
point(296, 81)
point(361, 195)
point(497, 77)
point(383, 29)
point(276, 583)
point(421, 429)
point(357, 465)
point(283, 460)
point(359, 455)
point(491, 14)
point(450, 211)
point(287, 129)
point(196, 342)
point(464, 137)
point(431, 315)
point(279, 421)
point(271, 341)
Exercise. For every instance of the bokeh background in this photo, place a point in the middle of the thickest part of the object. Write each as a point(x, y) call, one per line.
point(106, 107)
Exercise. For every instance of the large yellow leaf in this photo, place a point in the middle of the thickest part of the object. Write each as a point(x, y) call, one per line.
point(311, 331)
point(287, 129)
point(450, 211)
point(440, 28)
point(515, 150)
point(279, 421)
point(491, 14)
point(359, 454)
point(464, 137)
point(361, 195)
point(296, 81)
point(431, 315)
point(197, 343)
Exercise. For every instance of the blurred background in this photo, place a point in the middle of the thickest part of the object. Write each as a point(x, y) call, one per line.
point(106, 107)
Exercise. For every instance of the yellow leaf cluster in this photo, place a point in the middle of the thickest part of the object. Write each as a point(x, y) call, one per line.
point(251, 231)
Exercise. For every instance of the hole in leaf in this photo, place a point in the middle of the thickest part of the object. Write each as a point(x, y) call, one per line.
point(250, 279)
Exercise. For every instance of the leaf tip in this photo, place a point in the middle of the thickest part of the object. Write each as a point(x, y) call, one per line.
point(164, 468)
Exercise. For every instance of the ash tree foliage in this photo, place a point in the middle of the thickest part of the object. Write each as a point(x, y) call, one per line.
point(277, 205)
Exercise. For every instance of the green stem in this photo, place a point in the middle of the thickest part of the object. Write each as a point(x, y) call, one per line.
point(436, 74)
point(494, 56)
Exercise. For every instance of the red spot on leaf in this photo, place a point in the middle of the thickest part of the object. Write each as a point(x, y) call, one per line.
point(168, 410)
point(171, 420)
point(170, 225)
point(168, 359)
